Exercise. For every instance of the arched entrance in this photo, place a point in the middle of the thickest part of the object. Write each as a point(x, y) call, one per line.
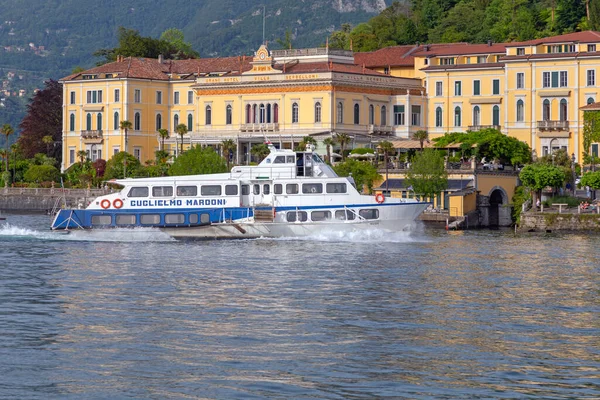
point(499, 213)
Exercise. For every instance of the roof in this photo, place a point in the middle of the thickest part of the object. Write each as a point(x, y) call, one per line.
point(591, 107)
point(415, 144)
point(464, 66)
point(329, 67)
point(398, 56)
point(576, 37)
point(398, 184)
point(462, 49)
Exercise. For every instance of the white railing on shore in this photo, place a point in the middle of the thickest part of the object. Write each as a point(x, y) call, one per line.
point(54, 192)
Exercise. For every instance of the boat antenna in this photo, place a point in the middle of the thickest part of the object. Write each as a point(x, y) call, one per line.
point(264, 16)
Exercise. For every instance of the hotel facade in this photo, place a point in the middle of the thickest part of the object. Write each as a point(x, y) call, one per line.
point(533, 91)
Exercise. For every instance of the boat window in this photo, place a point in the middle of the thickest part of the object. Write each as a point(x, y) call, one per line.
point(231, 190)
point(278, 188)
point(245, 190)
point(204, 218)
point(316, 158)
point(174, 219)
point(256, 189)
point(321, 215)
point(187, 190)
point(293, 216)
point(267, 160)
point(336, 188)
point(345, 215)
point(279, 160)
point(149, 219)
point(291, 188)
point(101, 219)
point(290, 159)
point(210, 190)
point(125, 219)
point(139, 191)
point(162, 191)
point(369, 213)
point(266, 188)
point(193, 219)
point(312, 188)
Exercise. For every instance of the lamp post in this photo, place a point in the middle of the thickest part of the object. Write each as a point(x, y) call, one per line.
point(573, 171)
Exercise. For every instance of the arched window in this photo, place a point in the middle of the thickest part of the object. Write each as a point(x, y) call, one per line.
point(99, 121)
point(72, 122)
point(590, 100)
point(262, 114)
point(248, 111)
point(563, 110)
point(438, 117)
point(269, 119)
point(137, 121)
point(546, 110)
point(383, 116)
point(190, 124)
point(207, 116)
point(254, 114)
point(340, 113)
point(457, 116)
point(88, 122)
point(317, 112)
point(476, 116)
point(371, 115)
point(116, 124)
point(496, 116)
point(295, 113)
point(356, 114)
point(520, 111)
point(228, 114)
point(175, 122)
point(276, 113)
point(158, 121)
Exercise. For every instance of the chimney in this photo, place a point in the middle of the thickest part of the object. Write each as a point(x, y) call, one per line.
point(489, 42)
point(161, 59)
point(427, 47)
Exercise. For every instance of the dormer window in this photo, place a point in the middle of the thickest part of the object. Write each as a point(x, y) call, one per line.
point(88, 76)
point(386, 71)
point(447, 61)
point(481, 59)
point(591, 48)
point(520, 51)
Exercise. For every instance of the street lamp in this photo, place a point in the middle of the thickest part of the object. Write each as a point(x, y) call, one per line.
point(573, 171)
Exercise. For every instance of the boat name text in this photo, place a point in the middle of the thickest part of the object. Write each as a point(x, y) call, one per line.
point(178, 203)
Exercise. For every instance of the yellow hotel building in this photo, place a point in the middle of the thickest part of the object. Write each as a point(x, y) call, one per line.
point(532, 90)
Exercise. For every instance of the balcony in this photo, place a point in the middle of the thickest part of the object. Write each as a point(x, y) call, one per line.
point(379, 129)
point(477, 128)
point(97, 134)
point(268, 127)
point(553, 125)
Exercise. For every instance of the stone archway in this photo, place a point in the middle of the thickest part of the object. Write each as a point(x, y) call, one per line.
point(499, 212)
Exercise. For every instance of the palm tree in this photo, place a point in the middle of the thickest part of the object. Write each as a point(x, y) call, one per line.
point(229, 147)
point(48, 141)
point(82, 154)
point(329, 142)
point(421, 136)
point(125, 127)
point(164, 134)
point(386, 148)
point(343, 139)
point(7, 130)
point(181, 130)
point(260, 151)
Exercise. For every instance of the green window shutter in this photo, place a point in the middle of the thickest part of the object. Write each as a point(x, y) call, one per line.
point(496, 86)
point(554, 79)
point(476, 88)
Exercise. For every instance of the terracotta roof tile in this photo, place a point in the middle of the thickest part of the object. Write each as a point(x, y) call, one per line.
point(579, 37)
point(463, 66)
point(396, 56)
point(463, 49)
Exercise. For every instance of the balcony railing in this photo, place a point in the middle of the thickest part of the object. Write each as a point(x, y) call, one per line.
point(477, 128)
point(379, 129)
point(553, 125)
point(91, 134)
point(270, 127)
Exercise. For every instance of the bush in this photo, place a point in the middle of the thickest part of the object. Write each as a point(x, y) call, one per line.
point(571, 201)
point(41, 173)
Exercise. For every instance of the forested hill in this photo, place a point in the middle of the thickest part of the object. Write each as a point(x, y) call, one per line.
point(475, 21)
point(52, 37)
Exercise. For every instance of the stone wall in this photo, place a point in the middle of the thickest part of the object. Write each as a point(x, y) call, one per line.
point(45, 200)
point(540, 222)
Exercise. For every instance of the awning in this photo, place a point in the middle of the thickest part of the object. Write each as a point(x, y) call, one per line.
point(554, 93)
point(400, 184)
point(485, 100)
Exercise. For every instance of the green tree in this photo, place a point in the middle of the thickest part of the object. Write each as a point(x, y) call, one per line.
point(125, 126)
point(387, 149)
point(260, 151)
point(164, 134)
point(306, 140)
point(178, 47)
point(427, 173)
point(42, 173)
point(343, 139)
point(421, 136)
point(47, 140)
point(363, 173)
point(82, 155)
point(286, 42)
point(120, 166)
point(181, 130)
point(6, 130)
point(591, 179)
point(198, 160)
point(229, 147)
point(538, 176)
point(341, 39)
point(329, 142)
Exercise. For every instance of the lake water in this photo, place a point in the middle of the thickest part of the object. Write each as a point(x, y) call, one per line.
point(425, 314)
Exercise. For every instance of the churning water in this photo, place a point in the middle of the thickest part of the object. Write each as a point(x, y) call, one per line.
point(424, 314)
